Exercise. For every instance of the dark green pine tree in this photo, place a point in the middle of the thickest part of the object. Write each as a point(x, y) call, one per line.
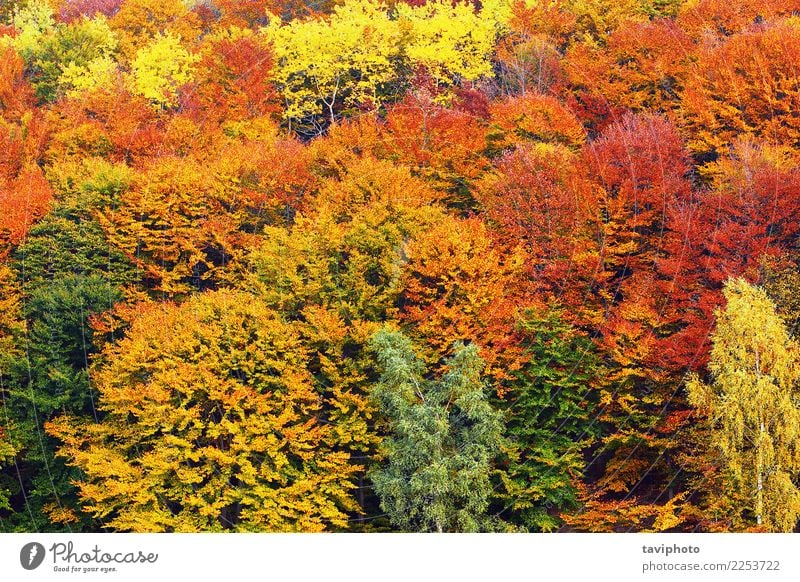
point(550, 422)
point(51, 378)
point(443, 437)
point(67, 272)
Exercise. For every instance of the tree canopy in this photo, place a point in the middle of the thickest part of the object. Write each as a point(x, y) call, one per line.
point(418, 265)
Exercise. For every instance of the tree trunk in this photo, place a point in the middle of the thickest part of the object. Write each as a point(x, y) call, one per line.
point(760, 478)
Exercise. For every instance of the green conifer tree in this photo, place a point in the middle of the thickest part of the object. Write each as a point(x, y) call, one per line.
point(443, 437)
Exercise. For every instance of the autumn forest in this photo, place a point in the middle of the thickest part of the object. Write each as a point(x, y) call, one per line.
point(404, 265)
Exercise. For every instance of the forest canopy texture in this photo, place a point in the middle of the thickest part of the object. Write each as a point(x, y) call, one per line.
point(443, 265)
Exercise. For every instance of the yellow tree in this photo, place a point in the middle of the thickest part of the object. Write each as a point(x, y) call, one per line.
point(451, 40)
point(362, 54)
point(342, 61)
point(173, 224)
point(210, 424)
point(161, 68)
point(63, 58)
point(337, 274)
point(752, 408)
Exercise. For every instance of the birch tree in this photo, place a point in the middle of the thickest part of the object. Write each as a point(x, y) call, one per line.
point(752, 405)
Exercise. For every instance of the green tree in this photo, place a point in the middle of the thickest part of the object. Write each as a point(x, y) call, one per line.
point(550, 421)
point(50, 377)
point(63, 57)
point(6, 458)
point(65, 272)
point(443, 438)
point(753, 409)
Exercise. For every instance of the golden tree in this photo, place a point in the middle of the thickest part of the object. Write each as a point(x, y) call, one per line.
point(211, 423)
point(752, 407)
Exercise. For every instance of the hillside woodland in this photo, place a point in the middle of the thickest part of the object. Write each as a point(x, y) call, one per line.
point(443, 265)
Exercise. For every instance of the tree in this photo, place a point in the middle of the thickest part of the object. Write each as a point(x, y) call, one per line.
point(68, 241)
point(744, 86)
point(138, 23)
point(599, 18)
point(6, 458)
point(443, 436)
point(68, 274)
point(528, 51)
point(161, 68)
point(50, 377)
point(111, 123)
point(747, 216)
point(246, 13)
point(64, 57)
point(31, 20)
point(346, 61)
point(445, 145)
point(363, 55)
point(209, 424)
point(641, 67)
point(539, 197)
point(781, 281)
point(640, 169)
point(174, 224)
point(550, 421)
point(451, 41)
point(460, 285)
point(11, 324)
point(8, 8)
point(233, 78)
point(16, 93)
point(71, 10)
point(724, 19)
point(23, 200)
point(752, 409)
point(266, 178)
point(535, 117)
point(25, 195)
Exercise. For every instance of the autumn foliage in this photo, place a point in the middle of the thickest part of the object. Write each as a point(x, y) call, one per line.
point(255, 257)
